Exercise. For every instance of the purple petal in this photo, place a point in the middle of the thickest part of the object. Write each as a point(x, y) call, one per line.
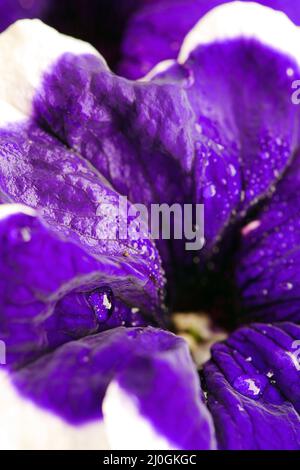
point(253, 388)
point(161, 390)
point(237, 162)
point(13, 10)
point(138, 135)
point(268, 259)
point(156, 31)
point(52, 291)
point(72, 381)
point(126, 129)
point(38, 171)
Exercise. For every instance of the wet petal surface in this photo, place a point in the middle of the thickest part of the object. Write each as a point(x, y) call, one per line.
point(253, 388)
point(268, 259)
point(52, 291)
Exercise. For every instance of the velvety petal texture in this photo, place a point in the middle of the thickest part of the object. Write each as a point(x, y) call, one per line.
point(253, 385)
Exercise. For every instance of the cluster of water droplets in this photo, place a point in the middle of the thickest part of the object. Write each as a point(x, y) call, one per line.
point(210, 152)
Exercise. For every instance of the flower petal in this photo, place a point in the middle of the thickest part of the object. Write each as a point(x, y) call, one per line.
point(71, 382)
point(163, 26)
point(138, 136)
point(165, 407)
point(224, 64)
point(46, 284)
point(267, 262)
point(253, 385)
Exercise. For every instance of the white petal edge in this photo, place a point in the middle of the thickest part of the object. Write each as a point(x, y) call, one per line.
point(244, 19)
point(6, 210)
point(125, 427)
point(24, 426)
point(27, 49)
point(157, 69)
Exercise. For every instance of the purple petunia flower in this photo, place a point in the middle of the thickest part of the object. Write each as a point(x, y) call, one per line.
point(82, 314)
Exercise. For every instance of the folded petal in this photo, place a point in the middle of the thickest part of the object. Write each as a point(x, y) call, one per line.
point(138, 136)
point(53, 291)
point(253, 385)
point(71, 382)
point(156, 403)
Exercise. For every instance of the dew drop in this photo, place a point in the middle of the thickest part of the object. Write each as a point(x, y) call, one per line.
point(26, 234)
point(265, 155)
point(198, 127)
point(101, 301)
point(231, 170)
point(287, 286)
point(209, 191)
point(250, 385)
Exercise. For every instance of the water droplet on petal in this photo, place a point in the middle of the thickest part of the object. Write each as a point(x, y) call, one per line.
point(209, 191)
point(198, 127)
point(250, 385)
point(265, 155)
point(287, 286)
point(26, 234)
point(101, 301)
point(231, 170)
